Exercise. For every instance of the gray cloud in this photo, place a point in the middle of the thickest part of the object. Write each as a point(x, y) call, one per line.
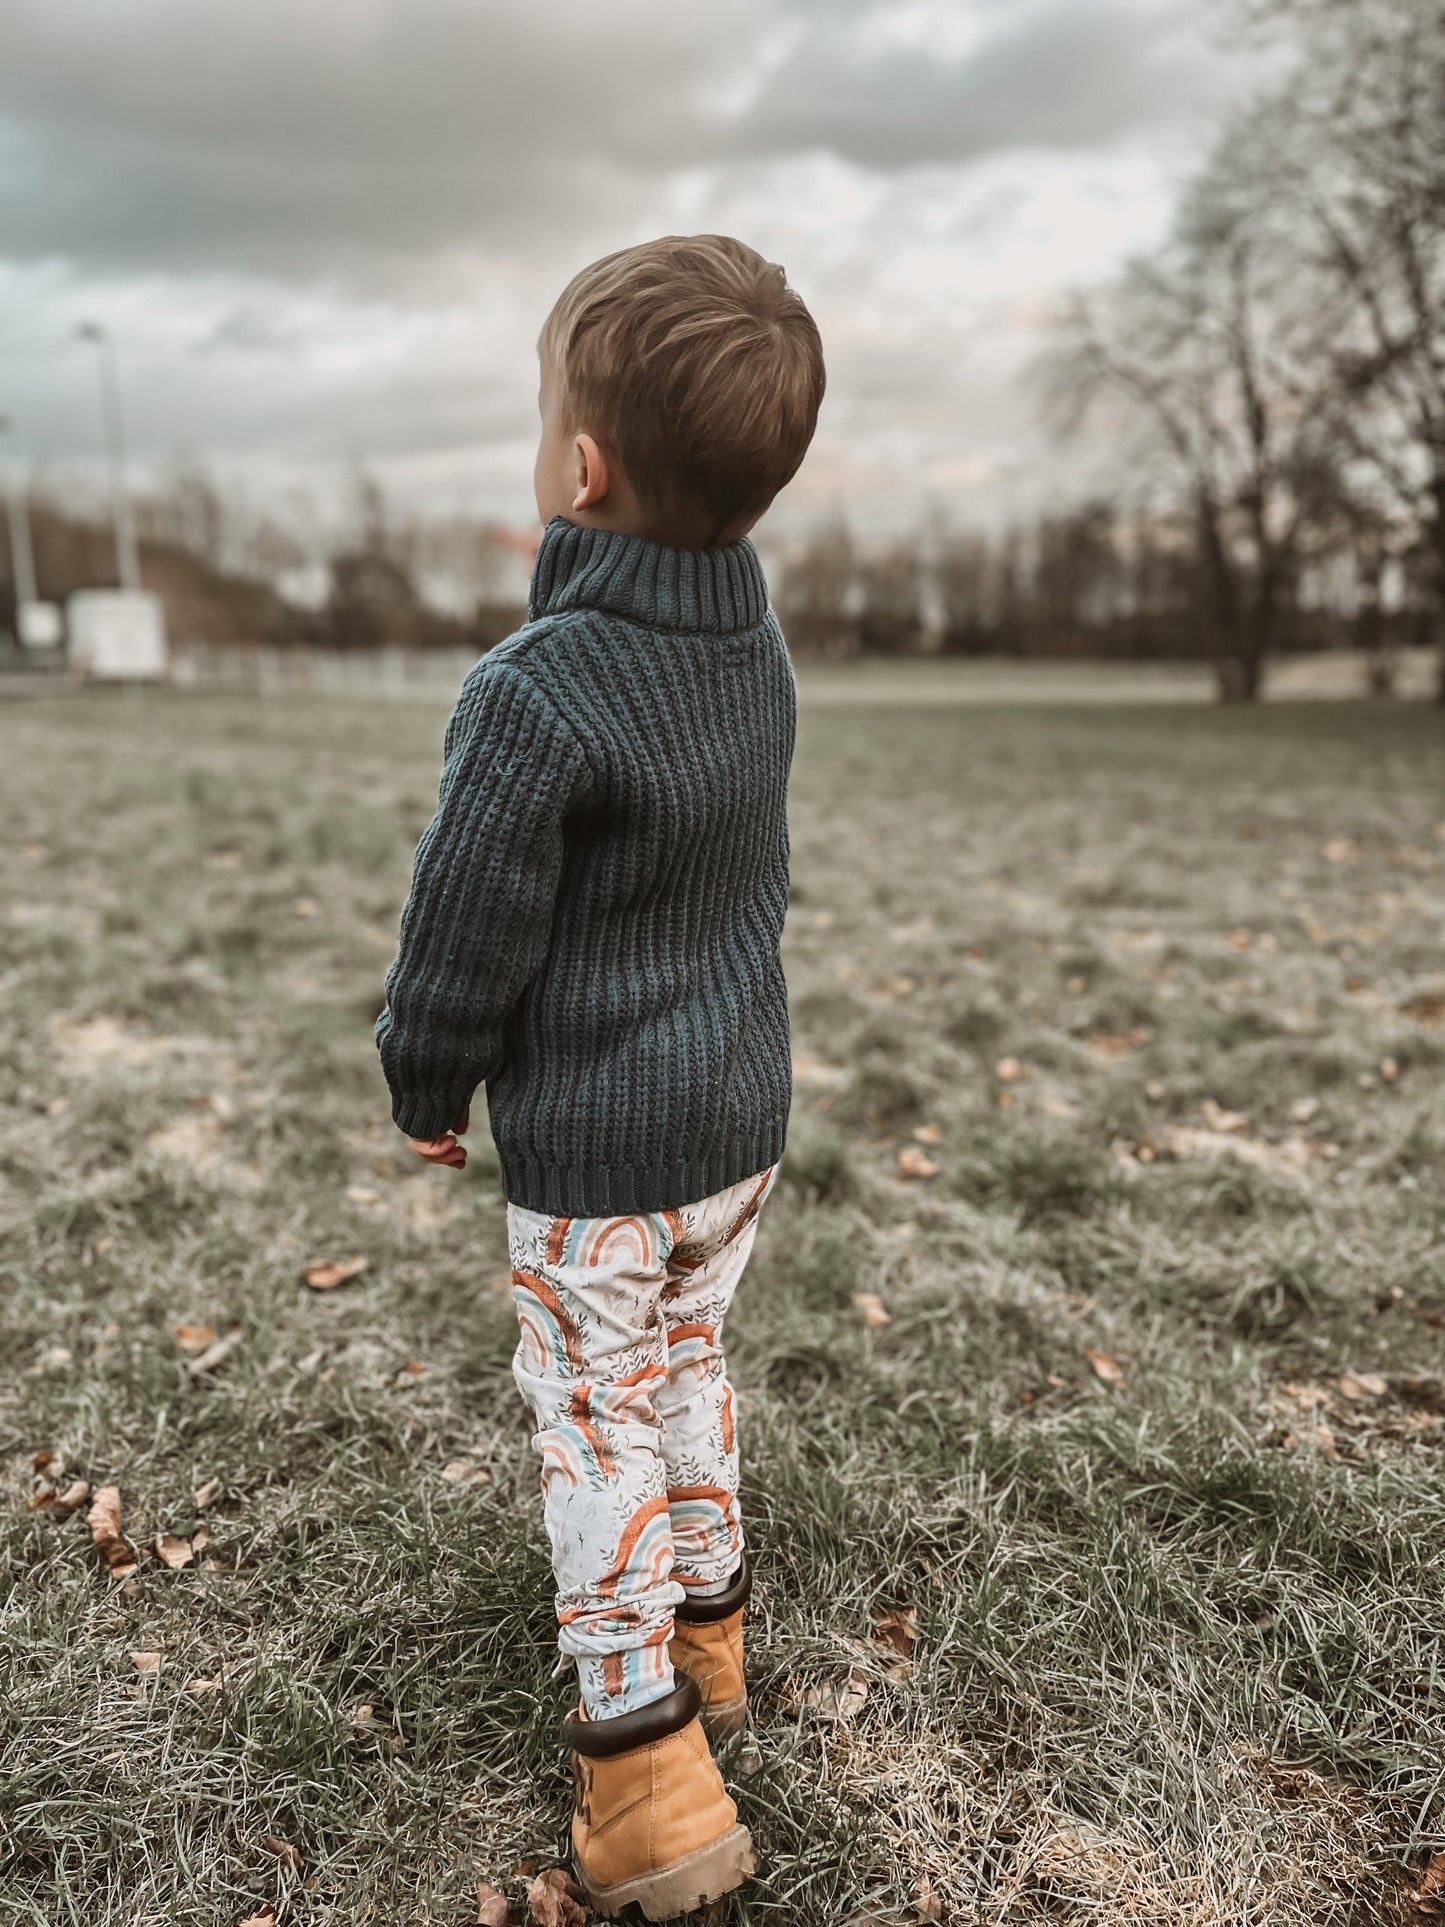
point(330, 230)
point(326, 139)
point(1071, 73)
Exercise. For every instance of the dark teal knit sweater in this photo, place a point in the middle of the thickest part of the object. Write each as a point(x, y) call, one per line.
point(596, 907)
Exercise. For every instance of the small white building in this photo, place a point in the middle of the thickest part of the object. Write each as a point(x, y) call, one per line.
point(117, 635)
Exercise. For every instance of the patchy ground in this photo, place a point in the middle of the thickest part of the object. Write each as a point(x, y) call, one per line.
point(1092, 1362)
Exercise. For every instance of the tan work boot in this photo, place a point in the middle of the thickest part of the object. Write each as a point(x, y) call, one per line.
point(653, 1823)
point(707, 1645)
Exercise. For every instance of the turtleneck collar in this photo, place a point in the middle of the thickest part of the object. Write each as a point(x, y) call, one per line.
point(710, 591)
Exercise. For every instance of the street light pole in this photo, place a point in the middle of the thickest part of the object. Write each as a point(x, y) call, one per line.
point(22, 556)
point(122, 511)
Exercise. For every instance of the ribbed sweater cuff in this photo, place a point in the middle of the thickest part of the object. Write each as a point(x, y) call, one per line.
point(429, 1113)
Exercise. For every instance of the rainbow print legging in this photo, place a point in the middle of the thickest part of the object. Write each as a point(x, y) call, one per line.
point(620, 1359)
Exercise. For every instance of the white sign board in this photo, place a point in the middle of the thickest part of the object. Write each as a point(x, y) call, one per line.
point(39, 625)
point(117, 634)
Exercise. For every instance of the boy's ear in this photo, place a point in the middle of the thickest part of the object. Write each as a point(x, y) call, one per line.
point(590, 473)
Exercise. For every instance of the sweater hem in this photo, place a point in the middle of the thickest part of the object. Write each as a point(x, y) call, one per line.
point(602, 1191)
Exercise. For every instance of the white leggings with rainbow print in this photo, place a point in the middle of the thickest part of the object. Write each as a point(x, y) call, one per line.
point(621, 1361)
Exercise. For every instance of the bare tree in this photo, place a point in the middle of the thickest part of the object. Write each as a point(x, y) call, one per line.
point(1355, 143)
point(1205, 346)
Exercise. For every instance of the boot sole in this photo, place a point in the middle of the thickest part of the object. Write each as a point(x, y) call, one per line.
point(693, 1881)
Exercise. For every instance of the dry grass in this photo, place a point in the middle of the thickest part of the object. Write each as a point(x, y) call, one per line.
point(1150, 1442)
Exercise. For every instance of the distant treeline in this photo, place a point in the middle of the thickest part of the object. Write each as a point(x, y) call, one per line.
point(1091, 581)
point(1087, 582)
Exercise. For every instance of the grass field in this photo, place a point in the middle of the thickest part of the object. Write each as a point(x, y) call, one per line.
point(1149, 1454)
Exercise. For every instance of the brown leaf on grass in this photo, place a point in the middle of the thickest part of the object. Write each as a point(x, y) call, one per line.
point(284, 1852)
point(926, 1903)
point(62, 1504)
point(465, 1472)
point(1105, 1367)
point(215, 1354)
point(148, 1665)
point(173, 1552)
point(1320, 1436)
point(555, 1900)
point(1118, 1043)
point(195, 1338)
point(104, 1522)
point(205, 1493)
point(871, 1308)
point(266, 1918)
point(839, 1700)
point(1426, 1009)
point(914, 1162)
point(928, 1134)
point(42, 1460)
point(1432, 1880)
point(492, 1908)
point(332, 1272)
point(898, 1631)
point(1363, 1385)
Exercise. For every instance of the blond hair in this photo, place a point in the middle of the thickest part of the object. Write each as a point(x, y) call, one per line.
point(697, 365)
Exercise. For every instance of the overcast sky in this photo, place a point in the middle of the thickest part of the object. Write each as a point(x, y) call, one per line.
point(326, 232)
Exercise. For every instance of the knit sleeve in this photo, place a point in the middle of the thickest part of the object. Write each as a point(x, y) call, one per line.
point(477, 923)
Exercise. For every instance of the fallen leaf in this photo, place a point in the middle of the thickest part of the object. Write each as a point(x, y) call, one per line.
point(332, 1272)
point(173, 1552)
point(195, 1338)
point(926, 1901)
point(62, 1504)
point(492, 1908)
point(1105, 1367)
point(284, 1852)
point(928, 1134)
point(103, 1245)
point(1363, 1385)
point(555, 1900)
point(266, 1918)
point(1008, 1070)
point(1428, 1009)
point(838, 1700)
point(871, 1306)
point(1432, 1881)
point(205, 1493)
point(104, 1522)
point(914, 1162)
point(215, 1354)
point(465, 1472)
point(42, 1461)
point(898, 1630)
point(1118, 1043)
point(146, 1664)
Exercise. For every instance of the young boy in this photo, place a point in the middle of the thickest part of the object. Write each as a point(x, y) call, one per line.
point(593, 933)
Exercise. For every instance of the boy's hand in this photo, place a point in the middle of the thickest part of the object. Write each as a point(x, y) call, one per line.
point(445, 1149)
